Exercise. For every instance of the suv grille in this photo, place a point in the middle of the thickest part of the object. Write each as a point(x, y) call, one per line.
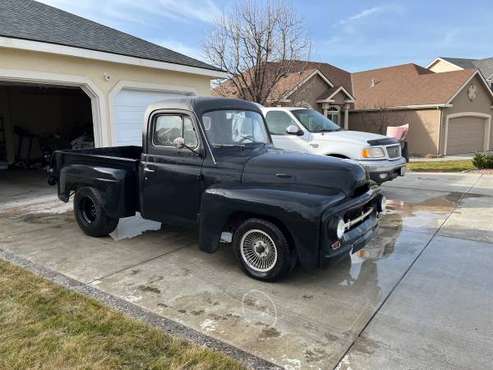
point(394, 151)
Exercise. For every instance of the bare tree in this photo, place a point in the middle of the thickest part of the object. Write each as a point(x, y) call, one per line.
point(257, 43)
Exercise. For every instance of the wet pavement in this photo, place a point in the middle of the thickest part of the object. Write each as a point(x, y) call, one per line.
point(418, 296)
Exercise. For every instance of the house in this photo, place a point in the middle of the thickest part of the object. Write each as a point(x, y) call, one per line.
point(62, 75)
point(445, 64)
point(448, 112)
point(320, 86)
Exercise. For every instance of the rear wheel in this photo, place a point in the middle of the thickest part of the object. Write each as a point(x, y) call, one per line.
point(262, 250)
point(90, 215)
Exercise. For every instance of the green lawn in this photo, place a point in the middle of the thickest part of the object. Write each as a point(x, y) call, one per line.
point(45, 326)
point(441, 166)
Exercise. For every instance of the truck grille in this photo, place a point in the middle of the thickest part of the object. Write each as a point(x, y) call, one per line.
point(357, 216)
point(394, 151)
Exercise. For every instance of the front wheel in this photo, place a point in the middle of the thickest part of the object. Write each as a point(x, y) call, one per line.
point(262, 250)
point(90, 214)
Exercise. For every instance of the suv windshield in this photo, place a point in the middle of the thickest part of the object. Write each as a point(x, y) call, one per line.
point(234, 128)
point(313, 121)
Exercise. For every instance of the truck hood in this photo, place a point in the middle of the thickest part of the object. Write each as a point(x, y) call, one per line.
point(279, 167)
point(356, 137)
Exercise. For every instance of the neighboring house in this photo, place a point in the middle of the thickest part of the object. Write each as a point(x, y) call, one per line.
point(445, 64)
point(448, 112)
point(320, 86)
point(63, 74)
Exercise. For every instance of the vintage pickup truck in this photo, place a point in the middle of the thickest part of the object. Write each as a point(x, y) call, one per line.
point(210, 162)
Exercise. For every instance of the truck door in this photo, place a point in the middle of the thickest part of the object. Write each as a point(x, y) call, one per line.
point(171, 178)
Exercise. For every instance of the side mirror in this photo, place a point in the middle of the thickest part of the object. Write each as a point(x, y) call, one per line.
point(294, 130)
point(179, 143)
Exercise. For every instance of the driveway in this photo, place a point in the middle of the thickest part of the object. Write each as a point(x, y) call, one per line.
point(419, 296)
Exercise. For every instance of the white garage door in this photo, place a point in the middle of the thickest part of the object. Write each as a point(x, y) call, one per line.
point(129, 107)
point(466, 135)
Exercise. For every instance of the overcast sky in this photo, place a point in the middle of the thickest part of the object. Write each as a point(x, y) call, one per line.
point(354, 35)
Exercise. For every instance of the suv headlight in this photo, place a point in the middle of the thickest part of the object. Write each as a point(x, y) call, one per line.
point(373, 152)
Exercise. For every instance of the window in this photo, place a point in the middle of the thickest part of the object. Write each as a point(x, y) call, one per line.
point(170, 127)
point(313, 121)
point(333, 114)
point(235, 127)
point(278, 122)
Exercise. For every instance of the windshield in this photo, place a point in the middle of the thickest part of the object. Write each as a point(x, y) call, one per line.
point(313, 121)
point(235, 128)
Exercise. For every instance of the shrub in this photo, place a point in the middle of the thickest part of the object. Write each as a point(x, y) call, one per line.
point(483, 160)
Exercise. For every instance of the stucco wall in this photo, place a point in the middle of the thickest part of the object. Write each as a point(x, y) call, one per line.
point(309, 93)
point(442, 66)
point(19, 60)
point(462, 104)
point(423, 126)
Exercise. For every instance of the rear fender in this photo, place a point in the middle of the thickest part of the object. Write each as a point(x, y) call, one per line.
point(111, 182)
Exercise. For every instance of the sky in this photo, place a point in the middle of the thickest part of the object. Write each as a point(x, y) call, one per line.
point(354, 35)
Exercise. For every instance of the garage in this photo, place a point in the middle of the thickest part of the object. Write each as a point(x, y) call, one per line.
point(467, 133)
point(62, 88)
point(129, 106)
point(36, 119)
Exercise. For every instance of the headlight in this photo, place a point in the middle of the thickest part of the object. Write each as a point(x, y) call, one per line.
point(341, 228)
point(373, 152)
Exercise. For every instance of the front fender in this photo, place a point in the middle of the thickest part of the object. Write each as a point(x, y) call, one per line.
point(111, 182)
point(299, 213)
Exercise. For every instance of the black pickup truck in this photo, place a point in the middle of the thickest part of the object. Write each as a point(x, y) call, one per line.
point(210, 162)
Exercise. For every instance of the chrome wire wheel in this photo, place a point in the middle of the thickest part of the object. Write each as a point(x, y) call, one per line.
point(258, 251)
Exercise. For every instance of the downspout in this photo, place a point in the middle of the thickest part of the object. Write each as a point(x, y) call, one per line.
point(439, 141)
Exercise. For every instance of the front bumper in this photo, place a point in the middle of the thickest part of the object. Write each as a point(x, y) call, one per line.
point(358, 236)
point(384, 170)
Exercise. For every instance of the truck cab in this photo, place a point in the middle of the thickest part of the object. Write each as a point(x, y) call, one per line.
point(308, 131)
point(210, 162)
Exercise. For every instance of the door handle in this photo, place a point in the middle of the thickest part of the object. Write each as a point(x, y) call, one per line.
point(149, 170)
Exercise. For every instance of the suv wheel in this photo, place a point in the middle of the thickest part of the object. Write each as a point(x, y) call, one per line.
point(90, 215)
point(262, 249)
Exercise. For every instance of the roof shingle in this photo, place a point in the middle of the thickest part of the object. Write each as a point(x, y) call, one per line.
point(31, 20)
point(405, 85)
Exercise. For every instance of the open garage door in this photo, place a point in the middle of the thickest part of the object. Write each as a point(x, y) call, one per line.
point(37, 119)
point(466, 134)
point(128, 111)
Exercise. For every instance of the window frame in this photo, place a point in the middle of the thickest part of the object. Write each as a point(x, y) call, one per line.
point(182, 115)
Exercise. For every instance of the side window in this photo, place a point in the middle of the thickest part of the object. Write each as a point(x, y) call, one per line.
point(167, 129)
point(170, 127)
point(278, 122)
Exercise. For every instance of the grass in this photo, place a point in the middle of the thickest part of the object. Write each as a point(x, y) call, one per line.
point(441, 166)
point(45, 326)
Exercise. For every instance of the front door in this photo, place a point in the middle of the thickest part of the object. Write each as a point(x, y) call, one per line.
point(171, 177)
point(278, 122)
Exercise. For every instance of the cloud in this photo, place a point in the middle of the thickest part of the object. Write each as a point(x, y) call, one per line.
point(366, 13)
point(116, 11)
point(182, 48)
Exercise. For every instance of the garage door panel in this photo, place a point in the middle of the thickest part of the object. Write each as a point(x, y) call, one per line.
point(129, 107)
point(466, 135)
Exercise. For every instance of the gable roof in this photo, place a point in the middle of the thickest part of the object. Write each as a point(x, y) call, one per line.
point(406, 85)
point(31, 20)
point(485, 66)
point(333, 92)
point(302, 71)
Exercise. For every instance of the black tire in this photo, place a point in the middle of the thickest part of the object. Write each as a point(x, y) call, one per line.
point(257, 233)
point(90, 215)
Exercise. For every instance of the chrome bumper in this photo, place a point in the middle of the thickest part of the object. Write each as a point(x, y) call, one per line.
point(385, 165)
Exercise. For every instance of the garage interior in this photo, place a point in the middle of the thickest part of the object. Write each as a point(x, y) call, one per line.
point(37, 119)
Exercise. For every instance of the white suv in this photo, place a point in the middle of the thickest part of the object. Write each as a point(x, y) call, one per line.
point(306, 130)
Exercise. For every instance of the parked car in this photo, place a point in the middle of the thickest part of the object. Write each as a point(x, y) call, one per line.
point(210, 162)
point(308, 131)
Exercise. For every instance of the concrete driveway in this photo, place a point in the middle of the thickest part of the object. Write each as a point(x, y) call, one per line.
point(419, 296)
